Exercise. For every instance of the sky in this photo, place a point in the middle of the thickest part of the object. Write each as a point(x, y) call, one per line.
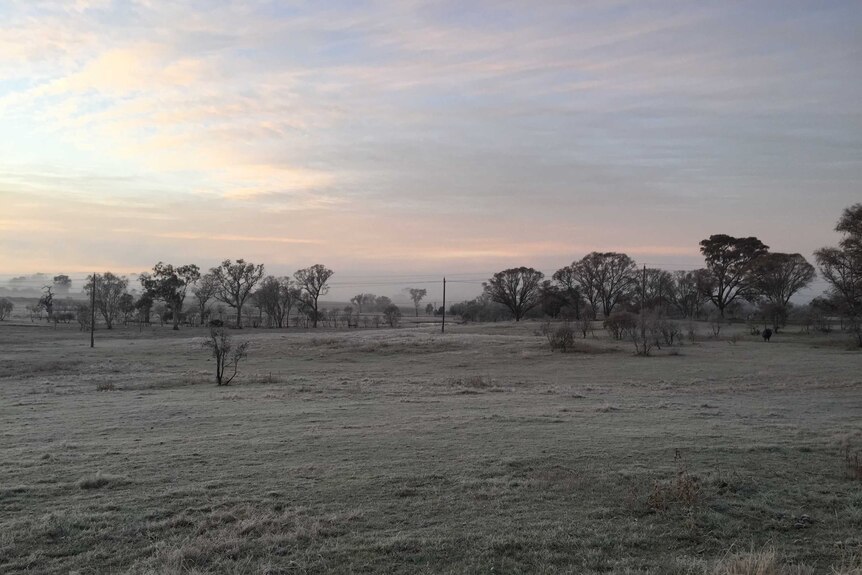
point(415, 139)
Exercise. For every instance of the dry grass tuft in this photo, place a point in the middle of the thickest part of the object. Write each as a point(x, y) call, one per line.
point(763, 562)
point(684, 489)
point(224, 539)
point(607, 408)
point(853, 462)
point(848, 566)
point(472, 381)
point(263, 378)
point(752, 563)
point(99, 480)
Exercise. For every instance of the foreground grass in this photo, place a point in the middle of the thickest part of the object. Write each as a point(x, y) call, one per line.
point(404, 451)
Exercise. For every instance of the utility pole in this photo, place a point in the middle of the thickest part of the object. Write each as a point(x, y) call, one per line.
point(93, 313)
point(643, 289)
point(643, 307)
point(443, 325)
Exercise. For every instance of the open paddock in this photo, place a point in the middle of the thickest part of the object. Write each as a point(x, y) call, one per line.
point(406, 451)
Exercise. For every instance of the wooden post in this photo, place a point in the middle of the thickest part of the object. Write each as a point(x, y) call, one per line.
point(443, 325)
point(93, 313)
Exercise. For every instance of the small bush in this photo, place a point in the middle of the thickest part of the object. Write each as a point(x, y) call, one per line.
point(584, 326)
point(99, 480)
point(6, 308)
point(227, 356)
point(105, 386)
point(691, 331)
point(716, 322)
point(474, 381)
point(619, 323)
point(684, 490)
point(561, 338)
point(669, 331)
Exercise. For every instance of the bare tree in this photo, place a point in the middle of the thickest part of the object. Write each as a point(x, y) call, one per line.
point(220, 345)
point(841, 267)
point(730, 262)
point(169, 285)
point(234, 282)
point(110, 289)
point(655, 292)
point(605, 279)
point(204, 290)
point(46, 302)
point(417, 295)
point(517, 289)
point(312, 282)
point(688, 292)
point(568, 283)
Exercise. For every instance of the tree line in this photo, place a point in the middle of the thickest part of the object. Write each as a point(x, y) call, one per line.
point(736, 269)
point(232, 283)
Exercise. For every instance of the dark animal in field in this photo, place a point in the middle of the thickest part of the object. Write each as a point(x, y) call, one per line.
point(216, 323)
point(767, 333)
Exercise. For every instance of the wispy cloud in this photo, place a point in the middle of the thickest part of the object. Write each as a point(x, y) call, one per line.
point(234, 238)
point(639, 125)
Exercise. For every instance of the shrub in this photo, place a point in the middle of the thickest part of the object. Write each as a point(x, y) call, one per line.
point(560, 338)
point(227, 357)
point(643, 334)
point(99, 480)
point(619, 323)
point(683, 490)
point(716, 322)
point(6, 308)
point(669, 331)
point(584, 326)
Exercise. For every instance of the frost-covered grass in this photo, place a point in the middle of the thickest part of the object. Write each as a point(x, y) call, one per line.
point(406, 451)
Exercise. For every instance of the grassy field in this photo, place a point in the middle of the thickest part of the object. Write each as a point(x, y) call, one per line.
point(404, 451)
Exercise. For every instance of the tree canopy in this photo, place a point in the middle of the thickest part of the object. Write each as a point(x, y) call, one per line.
point(234, 282)
point(313, 283)
point(517, 289)
point(169, 285)
point(729, 261)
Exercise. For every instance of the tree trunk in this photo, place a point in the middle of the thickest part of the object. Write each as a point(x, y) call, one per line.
point(176, 314)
